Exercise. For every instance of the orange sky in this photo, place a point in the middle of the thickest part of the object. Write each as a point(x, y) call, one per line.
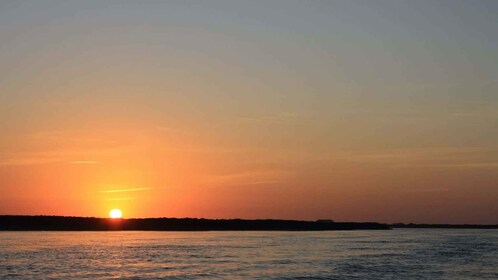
point(340, 110)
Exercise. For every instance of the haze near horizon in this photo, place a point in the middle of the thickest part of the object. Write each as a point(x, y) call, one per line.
point(347, 110)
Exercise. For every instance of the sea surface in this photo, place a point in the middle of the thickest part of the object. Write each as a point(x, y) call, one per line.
point(394, 254)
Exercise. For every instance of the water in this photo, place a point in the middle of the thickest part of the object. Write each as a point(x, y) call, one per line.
point(396, 254)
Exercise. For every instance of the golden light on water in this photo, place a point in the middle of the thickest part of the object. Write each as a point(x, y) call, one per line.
point(115, 214)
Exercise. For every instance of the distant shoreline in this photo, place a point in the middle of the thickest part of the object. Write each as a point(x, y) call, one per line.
point(62, 223)
point(65, 223)
point(443, 226)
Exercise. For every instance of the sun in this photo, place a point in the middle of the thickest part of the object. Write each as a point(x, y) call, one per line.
point(115, 214)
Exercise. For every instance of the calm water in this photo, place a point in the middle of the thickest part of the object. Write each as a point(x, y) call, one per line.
point(396, 254)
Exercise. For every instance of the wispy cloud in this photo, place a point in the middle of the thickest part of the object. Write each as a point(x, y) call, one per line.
point(431, 190)
point(125, 190)
point(119, 198)
point(282, 118)
point(66, 136)
point(255, 177)
point(423, 157)
point(253, 183)
point(483, 165)
point(58, 155)
point(29, 161)
point(417, 153)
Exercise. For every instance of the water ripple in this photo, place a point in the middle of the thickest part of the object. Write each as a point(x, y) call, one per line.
point(396, 254)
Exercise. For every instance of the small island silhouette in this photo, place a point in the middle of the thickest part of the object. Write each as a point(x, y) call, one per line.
point(62, 223)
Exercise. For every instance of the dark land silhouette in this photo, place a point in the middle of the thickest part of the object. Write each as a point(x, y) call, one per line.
point(61, 223)
point(469, 226)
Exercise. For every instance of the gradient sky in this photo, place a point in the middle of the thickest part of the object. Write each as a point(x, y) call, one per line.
point(350, 110)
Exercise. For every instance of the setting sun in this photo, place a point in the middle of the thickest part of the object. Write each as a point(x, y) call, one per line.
point(115, 213)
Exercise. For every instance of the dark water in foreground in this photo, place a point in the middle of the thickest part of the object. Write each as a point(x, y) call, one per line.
point(396, 254)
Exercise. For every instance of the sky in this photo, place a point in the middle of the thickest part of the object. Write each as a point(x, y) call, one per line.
point(348, 110)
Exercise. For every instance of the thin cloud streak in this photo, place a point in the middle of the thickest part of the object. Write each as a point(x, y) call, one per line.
point(483, 165)
point(427, 190)
point(125, 190)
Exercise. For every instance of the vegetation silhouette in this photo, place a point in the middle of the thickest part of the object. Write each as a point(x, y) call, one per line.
point(62, 223)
